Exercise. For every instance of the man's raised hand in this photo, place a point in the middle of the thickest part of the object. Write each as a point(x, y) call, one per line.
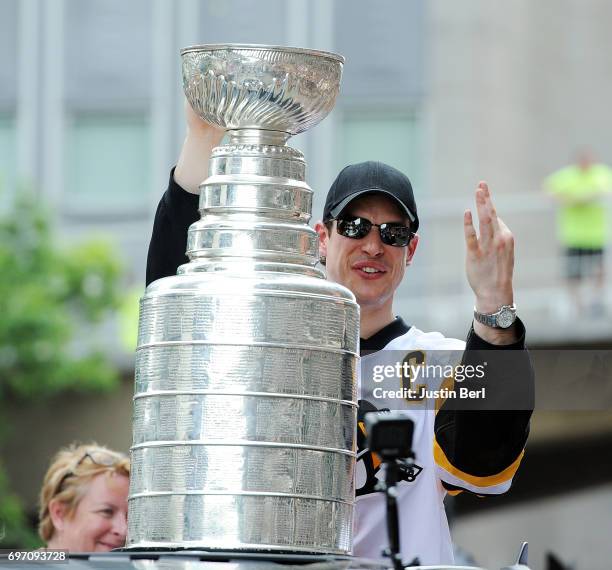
point(489, 263)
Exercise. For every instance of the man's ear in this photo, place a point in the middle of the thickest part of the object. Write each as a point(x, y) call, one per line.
point(58, 512)
point(411, 249)
point(323, 237)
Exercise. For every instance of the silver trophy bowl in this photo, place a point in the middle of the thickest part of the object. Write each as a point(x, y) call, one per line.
point(261, 87)
point(245, 403)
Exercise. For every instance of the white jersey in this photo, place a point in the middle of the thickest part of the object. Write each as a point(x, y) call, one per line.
point(424, 531)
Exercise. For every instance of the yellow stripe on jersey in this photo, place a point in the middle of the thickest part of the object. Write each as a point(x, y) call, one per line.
point(376, 460)
point(487, 481)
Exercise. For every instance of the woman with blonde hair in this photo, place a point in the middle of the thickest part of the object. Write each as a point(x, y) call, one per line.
point(83, 500)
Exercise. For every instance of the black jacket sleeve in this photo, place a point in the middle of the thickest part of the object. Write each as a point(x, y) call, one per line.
point(177, 210)
point(479, 443)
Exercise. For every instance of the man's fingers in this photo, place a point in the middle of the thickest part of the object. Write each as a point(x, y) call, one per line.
point(471, 239)
point(489, 205)
point(484, 216)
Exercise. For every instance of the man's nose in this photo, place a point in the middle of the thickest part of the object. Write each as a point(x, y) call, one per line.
point(372, 244)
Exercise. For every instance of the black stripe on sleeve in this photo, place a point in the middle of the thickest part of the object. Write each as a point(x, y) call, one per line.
point(484, 442)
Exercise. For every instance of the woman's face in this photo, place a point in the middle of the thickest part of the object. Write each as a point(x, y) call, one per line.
point(99, 522)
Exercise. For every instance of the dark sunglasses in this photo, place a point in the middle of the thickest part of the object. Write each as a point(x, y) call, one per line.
point(101, 458)
point(391, 233)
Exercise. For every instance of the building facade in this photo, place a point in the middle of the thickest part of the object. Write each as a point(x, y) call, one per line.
point(451, 93)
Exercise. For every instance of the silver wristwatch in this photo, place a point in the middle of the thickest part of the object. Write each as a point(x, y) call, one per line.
point(501, 319)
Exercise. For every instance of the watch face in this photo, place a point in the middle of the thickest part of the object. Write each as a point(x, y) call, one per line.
point(505, 318)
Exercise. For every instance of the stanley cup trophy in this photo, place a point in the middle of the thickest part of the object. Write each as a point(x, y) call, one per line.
point(246, 373)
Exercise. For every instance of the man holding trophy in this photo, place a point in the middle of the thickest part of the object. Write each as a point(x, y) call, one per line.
point(367, 240)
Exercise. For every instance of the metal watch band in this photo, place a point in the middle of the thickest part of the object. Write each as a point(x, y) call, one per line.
point(500, 319)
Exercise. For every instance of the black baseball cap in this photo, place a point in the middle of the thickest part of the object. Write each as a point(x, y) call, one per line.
point(366, 178)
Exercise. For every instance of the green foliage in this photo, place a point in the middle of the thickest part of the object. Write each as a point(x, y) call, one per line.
point(47, 294)
point(51, 300)
point(14, 529)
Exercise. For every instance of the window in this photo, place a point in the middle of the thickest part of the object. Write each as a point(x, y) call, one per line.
point(107, 164)
point(243, 21)
point(7, 154)
point(392, 138)
point(384, 43)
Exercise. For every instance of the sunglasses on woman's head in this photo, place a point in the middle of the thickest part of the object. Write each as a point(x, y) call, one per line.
point(102, 458)
point(391, 233)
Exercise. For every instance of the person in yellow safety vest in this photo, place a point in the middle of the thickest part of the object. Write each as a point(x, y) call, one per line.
point(580, 190)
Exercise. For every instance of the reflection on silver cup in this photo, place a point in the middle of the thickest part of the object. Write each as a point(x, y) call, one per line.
point(258, 87)
point(245, 405)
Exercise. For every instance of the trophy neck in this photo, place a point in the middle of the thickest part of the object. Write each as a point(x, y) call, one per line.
point(257, 137)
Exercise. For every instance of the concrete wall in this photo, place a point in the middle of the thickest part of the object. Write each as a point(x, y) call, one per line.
point(513, 90)
point(576, 527)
